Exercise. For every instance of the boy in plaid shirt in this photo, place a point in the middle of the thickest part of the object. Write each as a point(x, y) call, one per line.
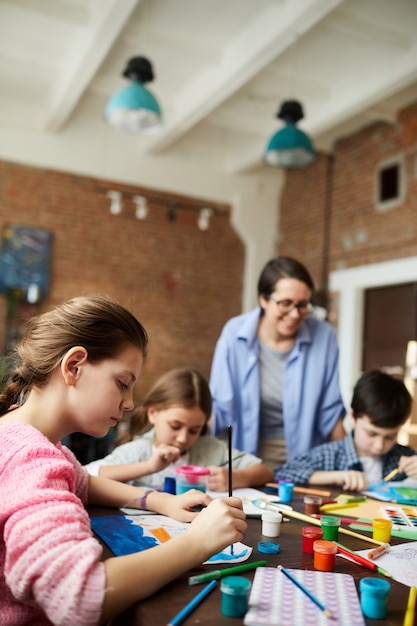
point(380, 405)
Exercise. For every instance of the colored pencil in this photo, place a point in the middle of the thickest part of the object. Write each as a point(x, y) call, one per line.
point(229, 433)
point(346, 520)
point(357, 522)
point(391, 474)
point(411, 608)
point(308, 593)
point(311, 520)
point(356, 557)
point(189, 608)
point(361, 560)
point(228, 571)
point(338, 505)
point(305, 490)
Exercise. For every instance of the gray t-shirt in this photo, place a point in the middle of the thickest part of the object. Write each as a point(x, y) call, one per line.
point(272, 366)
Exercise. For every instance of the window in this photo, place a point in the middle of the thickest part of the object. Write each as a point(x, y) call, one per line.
point(390, 184)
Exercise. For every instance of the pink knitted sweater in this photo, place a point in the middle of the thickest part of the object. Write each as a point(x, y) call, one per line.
point(50, 569)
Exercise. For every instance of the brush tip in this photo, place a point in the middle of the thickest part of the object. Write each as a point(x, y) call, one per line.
point(328, 614)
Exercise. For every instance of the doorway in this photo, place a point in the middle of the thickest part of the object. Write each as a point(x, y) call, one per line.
point(390, 321)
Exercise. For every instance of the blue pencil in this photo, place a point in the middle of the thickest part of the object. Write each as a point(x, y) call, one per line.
point(189, 608)
point(306, 591)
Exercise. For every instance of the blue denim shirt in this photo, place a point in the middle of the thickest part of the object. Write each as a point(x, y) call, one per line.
point(312, 402)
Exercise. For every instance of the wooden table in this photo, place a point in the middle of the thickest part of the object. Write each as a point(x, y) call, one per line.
point(167, 602)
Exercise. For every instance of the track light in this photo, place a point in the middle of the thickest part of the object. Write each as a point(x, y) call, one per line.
point(141, 207)
point(116, 202)
point(204, 216)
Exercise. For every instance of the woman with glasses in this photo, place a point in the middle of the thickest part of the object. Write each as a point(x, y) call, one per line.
point(274, 374)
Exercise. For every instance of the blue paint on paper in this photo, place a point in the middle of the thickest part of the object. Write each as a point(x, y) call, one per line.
point(227, 556)
point(121, 535)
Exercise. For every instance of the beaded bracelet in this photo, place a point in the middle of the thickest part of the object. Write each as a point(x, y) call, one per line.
point(143, 499)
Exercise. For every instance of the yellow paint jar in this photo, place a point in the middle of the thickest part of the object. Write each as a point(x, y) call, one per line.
point(381, 529)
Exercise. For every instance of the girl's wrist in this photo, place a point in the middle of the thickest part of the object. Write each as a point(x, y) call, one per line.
point(144, 498)
point(156, 501)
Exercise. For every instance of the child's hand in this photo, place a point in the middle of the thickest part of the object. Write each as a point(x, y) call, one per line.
point(218, 479)
point(179, 507)
point(353, 480)
point(163, 456)
point(219, 525)
point(408, 465)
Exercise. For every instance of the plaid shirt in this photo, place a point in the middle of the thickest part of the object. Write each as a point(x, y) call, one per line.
point(337, 455)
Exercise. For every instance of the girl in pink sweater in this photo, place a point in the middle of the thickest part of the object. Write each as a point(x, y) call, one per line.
point(74, 371)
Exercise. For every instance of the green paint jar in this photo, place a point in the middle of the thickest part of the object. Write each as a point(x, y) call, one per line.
point(330, 525)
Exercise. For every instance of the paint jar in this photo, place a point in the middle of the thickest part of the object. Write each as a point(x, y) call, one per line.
point(271, 523)
point(170, 485)
point(374, 594)
point(235, 596)
point(310, 534)
point(191, 477)
point(381, 529)
point(324, 555)
point(312, 505)
point(285, 489)
point(330, 525)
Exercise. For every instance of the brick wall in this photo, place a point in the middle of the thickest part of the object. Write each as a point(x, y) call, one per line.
point(346, 216)
point(182, 283)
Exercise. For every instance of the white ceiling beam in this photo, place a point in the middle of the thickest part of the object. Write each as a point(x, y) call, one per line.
point(382, 85)
point(84, 58)
point(272, 32)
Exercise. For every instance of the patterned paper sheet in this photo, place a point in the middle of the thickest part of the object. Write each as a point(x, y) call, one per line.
point(276, 601)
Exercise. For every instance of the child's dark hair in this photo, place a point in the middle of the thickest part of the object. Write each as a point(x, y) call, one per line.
point(184, 387)
point(384, 399)
point(103, 327)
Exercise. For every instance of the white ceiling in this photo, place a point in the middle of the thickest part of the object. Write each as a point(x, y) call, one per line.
point(222, 68)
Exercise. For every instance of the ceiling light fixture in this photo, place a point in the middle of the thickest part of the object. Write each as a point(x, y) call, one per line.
point(290, 147)
point(134, 108)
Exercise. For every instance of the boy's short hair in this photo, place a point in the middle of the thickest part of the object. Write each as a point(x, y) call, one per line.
point(384, 399)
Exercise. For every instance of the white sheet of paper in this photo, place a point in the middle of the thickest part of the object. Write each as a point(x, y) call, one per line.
point(248, 494)
point(156, 526)
point(400, 562)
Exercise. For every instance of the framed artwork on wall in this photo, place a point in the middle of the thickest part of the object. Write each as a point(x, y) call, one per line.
point(25, 261)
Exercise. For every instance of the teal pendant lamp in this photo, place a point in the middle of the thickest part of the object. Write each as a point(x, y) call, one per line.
point(134, 108)
point(290, 147)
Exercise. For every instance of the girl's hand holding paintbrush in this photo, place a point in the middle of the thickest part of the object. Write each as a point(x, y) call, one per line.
point(222, 523)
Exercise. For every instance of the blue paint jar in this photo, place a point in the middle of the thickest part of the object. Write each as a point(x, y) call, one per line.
point(235, 595)
point(374, 597)
point(170, 485)
point(285, 490)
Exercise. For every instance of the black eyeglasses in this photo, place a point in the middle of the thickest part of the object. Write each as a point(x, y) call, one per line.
point(286, 306)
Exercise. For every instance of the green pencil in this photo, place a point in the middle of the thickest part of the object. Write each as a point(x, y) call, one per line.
point(219, 573)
